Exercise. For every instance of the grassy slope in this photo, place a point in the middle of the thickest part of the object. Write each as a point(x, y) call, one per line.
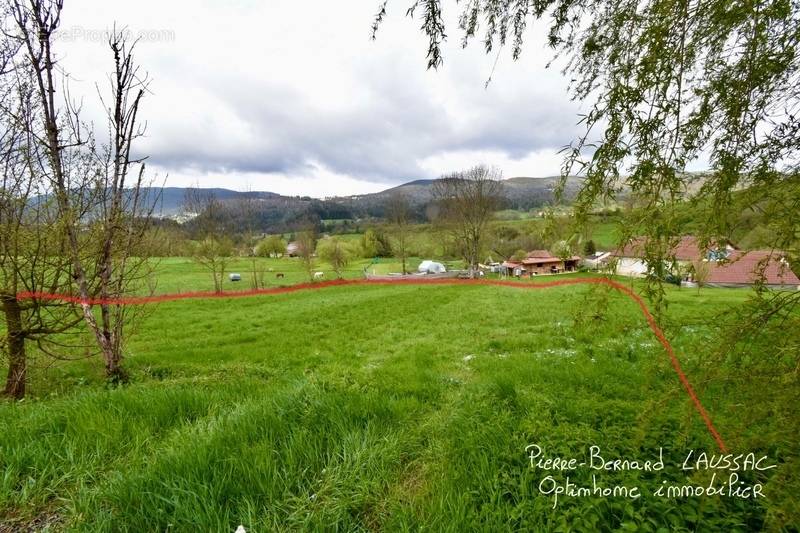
point(604, 235)
point(361, 408)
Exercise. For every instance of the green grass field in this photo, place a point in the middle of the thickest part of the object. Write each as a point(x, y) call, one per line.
point(181, 274)
point(374, 408)
point(604, 235)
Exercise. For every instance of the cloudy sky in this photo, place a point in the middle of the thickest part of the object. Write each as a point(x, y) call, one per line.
point(293, 97)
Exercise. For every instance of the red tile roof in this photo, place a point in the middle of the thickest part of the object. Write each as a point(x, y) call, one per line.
point(745, 267)
point(540, 260)
point(687, 249)
point(538, 257)
point(540, 253)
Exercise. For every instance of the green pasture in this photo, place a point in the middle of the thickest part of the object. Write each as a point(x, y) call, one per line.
point(379, 408)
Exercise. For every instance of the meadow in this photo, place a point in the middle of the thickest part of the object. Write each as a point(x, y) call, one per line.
point(378, 408)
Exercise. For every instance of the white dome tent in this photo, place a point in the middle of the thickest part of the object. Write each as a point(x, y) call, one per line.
point(431, 267)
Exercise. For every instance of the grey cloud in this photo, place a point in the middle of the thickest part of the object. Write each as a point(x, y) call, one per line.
point(252, 114)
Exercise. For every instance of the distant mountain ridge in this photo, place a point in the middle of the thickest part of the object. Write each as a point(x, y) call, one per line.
point(520, 192)
point(170, 200)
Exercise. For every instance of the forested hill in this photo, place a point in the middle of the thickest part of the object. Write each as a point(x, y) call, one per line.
point(520, 193)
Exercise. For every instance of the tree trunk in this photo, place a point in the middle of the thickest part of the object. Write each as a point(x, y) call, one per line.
point(218, 280)
point(17, 361)
point(115, 372)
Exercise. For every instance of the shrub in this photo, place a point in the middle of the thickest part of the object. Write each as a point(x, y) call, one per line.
point(274, 245)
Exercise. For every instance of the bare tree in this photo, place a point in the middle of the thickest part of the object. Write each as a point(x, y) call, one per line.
point(125, 208)
point(258, 273)
point(398, 213)
point(30, 251)
point(306, 248)
point(213, 250)
point(206, 209)
point(466, 203)
point(247, 207)
point(81, 174)
point(213, 254)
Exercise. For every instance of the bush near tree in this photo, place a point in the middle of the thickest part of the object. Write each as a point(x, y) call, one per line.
point(375, 243)
point(336, 252)
point(272, 246)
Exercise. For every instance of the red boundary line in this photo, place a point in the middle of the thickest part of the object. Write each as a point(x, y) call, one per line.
point(139, 300)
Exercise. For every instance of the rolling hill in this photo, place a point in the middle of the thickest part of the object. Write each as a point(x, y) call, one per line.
point(519, 193)
point(269, 212)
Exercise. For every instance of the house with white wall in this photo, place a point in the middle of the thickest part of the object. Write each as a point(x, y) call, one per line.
point(630, 259)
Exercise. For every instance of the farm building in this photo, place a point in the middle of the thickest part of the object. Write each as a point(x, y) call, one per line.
point(630, 259)
point(717, 266)
point(539, 262)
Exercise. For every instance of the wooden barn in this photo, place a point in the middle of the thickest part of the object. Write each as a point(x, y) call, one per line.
point(540, 262)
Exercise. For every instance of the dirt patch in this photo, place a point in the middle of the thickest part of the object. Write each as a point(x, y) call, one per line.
point(45, 521)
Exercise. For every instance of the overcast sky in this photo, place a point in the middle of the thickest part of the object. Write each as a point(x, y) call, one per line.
point(293, 97)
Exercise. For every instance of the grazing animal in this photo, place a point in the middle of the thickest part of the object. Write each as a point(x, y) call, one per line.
point(319, 275)
point(280, 275)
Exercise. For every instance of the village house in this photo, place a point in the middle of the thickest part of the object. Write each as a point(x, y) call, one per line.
point(630, 259)
point(743, 269)
point(716, 266)
point(539, 262)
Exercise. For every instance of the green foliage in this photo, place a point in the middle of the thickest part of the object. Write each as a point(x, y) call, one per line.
point(272, 246)
point(336, 252)
point(760, 237)
point(562, 249)
point(212, 247)
point(505, 239)
point(519, 255)
point(666, 83)
point(375, 243)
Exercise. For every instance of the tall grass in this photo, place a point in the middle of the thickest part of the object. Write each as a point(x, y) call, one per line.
point(366, 408)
